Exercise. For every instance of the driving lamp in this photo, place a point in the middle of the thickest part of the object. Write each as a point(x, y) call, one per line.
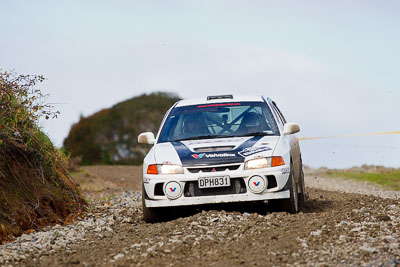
point(164, 169)
point(256, 164)
point(263, 163)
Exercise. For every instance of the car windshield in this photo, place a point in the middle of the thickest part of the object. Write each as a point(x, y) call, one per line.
point(218, 120)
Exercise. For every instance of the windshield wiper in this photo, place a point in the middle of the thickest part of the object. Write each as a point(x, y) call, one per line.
point(256, 134)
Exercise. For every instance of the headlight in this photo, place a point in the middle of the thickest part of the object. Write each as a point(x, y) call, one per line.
point(256, 164)
point(263, 163)
point(170, 169)
point(164, 169)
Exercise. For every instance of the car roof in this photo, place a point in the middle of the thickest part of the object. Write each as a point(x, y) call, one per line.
point(199, 101)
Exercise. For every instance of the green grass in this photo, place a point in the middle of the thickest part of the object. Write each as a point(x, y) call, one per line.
point(389, 179)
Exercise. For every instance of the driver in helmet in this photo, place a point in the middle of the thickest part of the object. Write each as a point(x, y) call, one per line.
point(251, 123)
point(194, 125)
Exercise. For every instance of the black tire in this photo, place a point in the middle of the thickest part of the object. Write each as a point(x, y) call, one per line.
point(150, 215)
point(302, 189)
point(291, 204)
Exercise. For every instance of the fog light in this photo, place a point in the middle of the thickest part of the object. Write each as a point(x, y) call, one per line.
point(257, 184)
point(172, 190)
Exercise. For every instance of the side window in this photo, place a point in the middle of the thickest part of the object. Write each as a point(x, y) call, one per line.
point(279, 113)
point(279, 119)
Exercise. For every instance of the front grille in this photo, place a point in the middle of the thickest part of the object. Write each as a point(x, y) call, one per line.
point(192, 189)
point(214, 169)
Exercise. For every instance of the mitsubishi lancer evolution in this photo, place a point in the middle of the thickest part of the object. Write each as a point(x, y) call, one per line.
point(222, 149)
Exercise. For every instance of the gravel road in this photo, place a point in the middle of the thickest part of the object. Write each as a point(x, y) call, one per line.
point(335, 228)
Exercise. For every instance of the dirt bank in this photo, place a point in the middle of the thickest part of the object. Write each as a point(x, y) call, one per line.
point(35, 187)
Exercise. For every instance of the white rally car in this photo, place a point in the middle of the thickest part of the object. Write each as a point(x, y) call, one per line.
point(222, 149)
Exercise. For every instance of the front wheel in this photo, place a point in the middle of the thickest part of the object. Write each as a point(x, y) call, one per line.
point(302, 188)
point(291, 204)
point(150, 215)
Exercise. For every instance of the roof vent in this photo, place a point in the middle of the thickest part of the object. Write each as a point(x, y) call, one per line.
point(212, 97)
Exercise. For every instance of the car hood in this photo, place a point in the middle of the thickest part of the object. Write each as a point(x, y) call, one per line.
point(215, 151)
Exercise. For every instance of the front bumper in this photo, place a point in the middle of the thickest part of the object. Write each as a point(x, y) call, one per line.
point(152, 200)
point(183, 201)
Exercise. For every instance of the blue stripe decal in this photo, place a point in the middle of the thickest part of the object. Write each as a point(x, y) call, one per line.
point(188, 158)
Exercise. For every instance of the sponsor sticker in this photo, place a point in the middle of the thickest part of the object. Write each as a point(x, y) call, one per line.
point(285, 170)
point(219, 105)
point(198, 156)
point(213, 155)
point(253, 150)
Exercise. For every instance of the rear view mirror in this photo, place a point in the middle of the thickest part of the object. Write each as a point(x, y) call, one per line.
point(291, 128)
point(146, 138)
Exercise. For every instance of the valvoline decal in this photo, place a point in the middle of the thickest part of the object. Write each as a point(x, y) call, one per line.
point(213, 155)
point(198, 156)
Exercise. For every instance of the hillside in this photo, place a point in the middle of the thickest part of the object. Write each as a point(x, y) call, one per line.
point(110, 135)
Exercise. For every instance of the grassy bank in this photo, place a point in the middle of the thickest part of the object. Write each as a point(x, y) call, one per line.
point(386, 177)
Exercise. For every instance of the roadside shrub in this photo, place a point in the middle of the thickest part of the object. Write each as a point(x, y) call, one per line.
point(21, 106)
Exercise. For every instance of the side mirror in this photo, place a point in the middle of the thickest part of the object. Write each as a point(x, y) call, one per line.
point(146, 138)
point(291, 128)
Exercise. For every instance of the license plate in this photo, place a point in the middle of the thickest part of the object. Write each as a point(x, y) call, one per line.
point(209, 182)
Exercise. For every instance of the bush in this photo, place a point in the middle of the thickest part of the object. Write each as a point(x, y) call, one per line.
point(20, 108)
point(110, 135)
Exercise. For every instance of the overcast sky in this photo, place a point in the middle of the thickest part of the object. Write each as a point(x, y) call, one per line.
point(331, 66)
